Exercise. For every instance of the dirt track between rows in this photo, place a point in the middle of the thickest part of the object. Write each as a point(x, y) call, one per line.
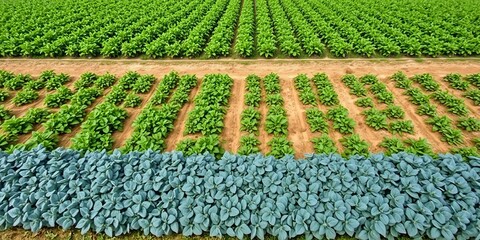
point(299, 132)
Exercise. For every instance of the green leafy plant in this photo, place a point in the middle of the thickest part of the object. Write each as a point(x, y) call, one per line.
point(400, 127)
point(62, 96)
point(254, 91)
point(476, 141)
point(34, 85)
point(143, 84)
point(349, 80)
point(454, 105)
point(364, 102)
point(469, 124)
point(250, 120)
point(4, 113)
point(392, 145)
point(272, 84)
point(128, 80)
point(473, 95)
point(15, 126)
point(466, 152)
point(354, 145)
point(57, 81)
point(86, 80)
point(401, 80)
point(375, 119)
point(4, 95)
point(98, 127)
point(166, 86)
point(47, 75)
point(302, 84)
point(439, 122)
point(417, 97)
point(341, 121)
point(68, 117)
point(116, 96)
point(25, 96)
point(324, 144)
point(369, 79)
point(452, 136)
point(105, 81)
point(210, 105)
point(17, 82)
point(252, 99)
point(86, 96)
point(37, 115)
point(378, 88)
point(274, 100)
point(279, 147)
point(419, 147)
point(427, 82)
point(385, 97)
point(7, 140)
point(427, 109)
point(326, 92)
point(249, 145)
point(474, 79)
point(47, 139)
point(5, 76)
point(358, 90)
point(456, 82)
point(276, 121)
point(316, 120)
point(394, 112)
point(210, 144)
point(132, 100)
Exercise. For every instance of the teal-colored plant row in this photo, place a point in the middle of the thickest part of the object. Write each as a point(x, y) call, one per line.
point(322, 196)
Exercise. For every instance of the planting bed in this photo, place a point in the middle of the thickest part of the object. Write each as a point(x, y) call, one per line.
point(366, 139)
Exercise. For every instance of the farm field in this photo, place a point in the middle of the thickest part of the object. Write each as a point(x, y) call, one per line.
point(240, 119)
point(240, 29)
point(364, 110)
point(245, 120)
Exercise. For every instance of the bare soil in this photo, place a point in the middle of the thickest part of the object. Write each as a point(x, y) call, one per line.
point(299, 132)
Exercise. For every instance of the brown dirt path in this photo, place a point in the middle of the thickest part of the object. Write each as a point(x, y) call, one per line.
point(231, 132)
point(298, 131)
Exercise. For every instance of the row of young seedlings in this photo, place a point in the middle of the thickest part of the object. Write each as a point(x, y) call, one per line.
point(391, 118)
point(207, 116)
point(317, 120)
point(60, 122)
point(156, 121)
point(244, 44)
point(378, 119)
point(439, 123)
point(469, 85)
point(276, 122)
point(14, 126)
point(27, 87)
point(106, 118)
point(250, 117)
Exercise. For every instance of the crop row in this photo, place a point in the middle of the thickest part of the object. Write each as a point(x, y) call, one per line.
point(76, 108)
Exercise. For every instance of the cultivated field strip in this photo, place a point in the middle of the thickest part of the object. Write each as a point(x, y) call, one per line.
point(266, 28)
point(275, 115)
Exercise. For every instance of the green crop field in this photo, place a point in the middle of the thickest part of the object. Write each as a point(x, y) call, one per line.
point(240, 119)
point(249, 28)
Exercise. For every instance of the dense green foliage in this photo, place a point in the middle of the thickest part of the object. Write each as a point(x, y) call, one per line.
point(266, 28)
point(210, 105)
